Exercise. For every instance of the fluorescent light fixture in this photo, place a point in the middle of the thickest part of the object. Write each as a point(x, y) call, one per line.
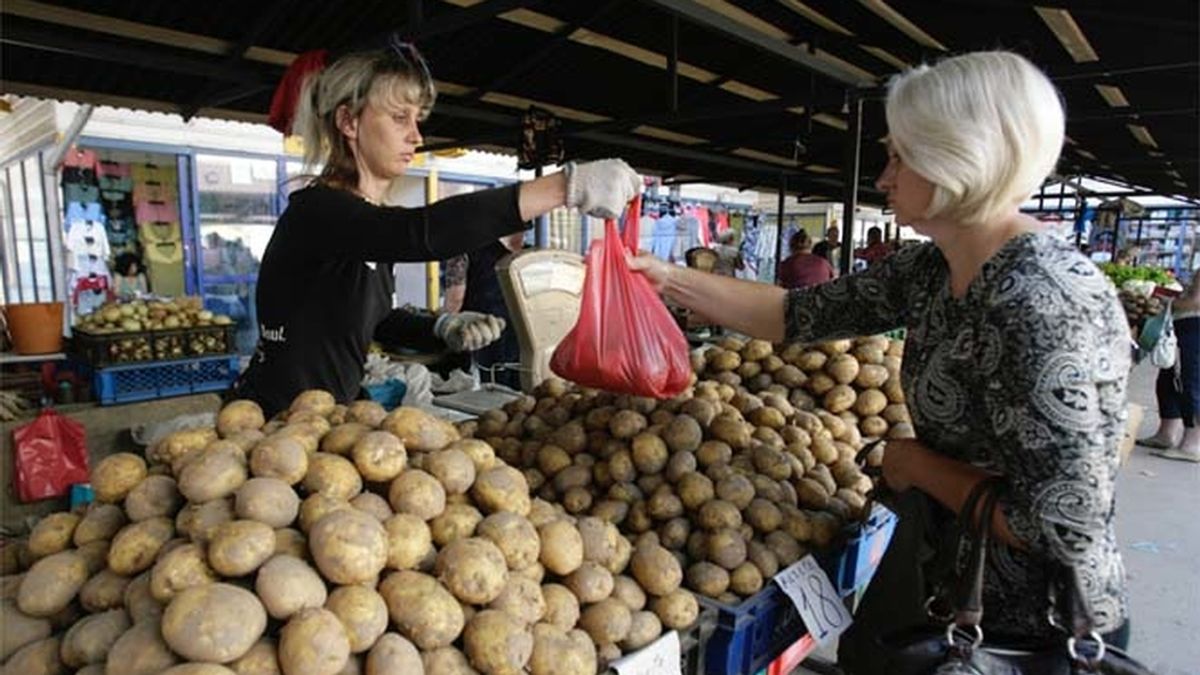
point(820, 168)
point(1085, 153)
point(902, 24)
point(667, 135)
point(1174, 174)
point(747, 91)
point(1062, 24)
point(1113, 95)
point(886, 56)
point(1142, 134)
point(1181, 183)
point(831, 121)
point(764, 156)
point(816, 17)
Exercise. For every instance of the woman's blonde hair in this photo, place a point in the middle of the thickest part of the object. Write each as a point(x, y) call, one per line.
point(394, 74)
point(985, 128)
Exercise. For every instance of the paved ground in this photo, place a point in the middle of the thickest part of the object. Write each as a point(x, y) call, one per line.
point(1158, 525)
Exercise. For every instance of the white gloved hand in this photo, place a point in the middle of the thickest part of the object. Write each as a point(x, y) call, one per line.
point(601, 188)
point(468, 331)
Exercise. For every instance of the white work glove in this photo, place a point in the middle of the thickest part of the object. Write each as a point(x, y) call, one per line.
point(601, 188)
point(468, 331)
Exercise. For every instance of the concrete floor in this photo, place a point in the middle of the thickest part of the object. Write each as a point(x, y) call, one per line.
point(1158, 526)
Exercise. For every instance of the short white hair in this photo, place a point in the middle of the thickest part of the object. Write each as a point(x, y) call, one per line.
point(985, 128)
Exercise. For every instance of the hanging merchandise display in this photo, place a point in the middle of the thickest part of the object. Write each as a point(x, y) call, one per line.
point(87, 264)
point(116, 198)
point(159, 231)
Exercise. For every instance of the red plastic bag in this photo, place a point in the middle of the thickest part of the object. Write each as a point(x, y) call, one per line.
point(625, 340)
point(49, 456)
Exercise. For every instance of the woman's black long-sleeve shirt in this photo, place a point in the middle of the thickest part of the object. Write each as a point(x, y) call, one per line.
point(325, 284)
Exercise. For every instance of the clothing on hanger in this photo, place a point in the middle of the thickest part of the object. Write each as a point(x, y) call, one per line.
point(89, 293)
point(664, 236)
point(160, 231)
point(79, 212)
point(88, 238)
point(156, 212)
point(114, 176)
point(154, 191)
point(80, 192)
point(146, 172)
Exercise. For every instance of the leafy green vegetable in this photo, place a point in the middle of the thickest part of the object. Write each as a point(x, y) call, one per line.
point(1119, 274)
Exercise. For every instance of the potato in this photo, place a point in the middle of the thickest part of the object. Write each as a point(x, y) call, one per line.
point(501, 488)
point(332, 475)
point(726, 548)
point(481, 454)
point(677, 610)
point(756, 350)
point(607, 621)
point(717, 514)
point(683, 434)
point(369, 413)
point(215, 622)
point(198, 669)
point(720, 360)
point(136, 546)
point(714, 453)
point(52, 534)
point(522, 599)
point(626, 424)
point(656, 569)
point(52, 583)
point(514, 535)
point(216, 473)
point(736, 489)
point(695, 490)
point(267, 500)
point(590, 583)
point(629, 592)
point(418, 430)
point(764, 516)
point(289, 541)
point(313, 642)
point(843, 368)
point(446, 661)
point(785, 547)
point(362, 612)
point(873, 426)
point(90, 640)
point(732, 430)
point(140, 651)
point(473, 569)
point(316, 506)
point(239, 547)
point(422, 609)
point(373, 505)
point(454, 469)
point(409, 541)
point(154, 497)
point(394, 655)
point(870, 402)
point(315, 401)
point(100, 522)
point(746, 579)
point(279, 456)
point(239, 415)
point(286, 585)
point(821, 474)
point(103, 591)
point(116, 475)
point(562, 607)
point(649, 453)
point(343, 437)
point(417, 492)
point(561, 547)
point(708, 579)
point(898, 430)
point(497, 643)
point(182, 568)
point(262, 659)
point(557, 652)
point(19, 629)
point(349, 546)
point(40, 657)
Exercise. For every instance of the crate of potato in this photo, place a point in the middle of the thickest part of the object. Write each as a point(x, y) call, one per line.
point(332, 539)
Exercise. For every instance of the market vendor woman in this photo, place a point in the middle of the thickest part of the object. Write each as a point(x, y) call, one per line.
point(325, 285)
point(1016, 357)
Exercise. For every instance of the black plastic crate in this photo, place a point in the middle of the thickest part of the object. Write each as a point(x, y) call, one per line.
point(169, 344)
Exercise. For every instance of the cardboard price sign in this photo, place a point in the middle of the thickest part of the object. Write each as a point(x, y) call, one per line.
point(815, 599)
point(660, 657)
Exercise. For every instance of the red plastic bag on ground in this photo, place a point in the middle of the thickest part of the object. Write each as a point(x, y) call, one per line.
point(49, 456)
point(625, 340)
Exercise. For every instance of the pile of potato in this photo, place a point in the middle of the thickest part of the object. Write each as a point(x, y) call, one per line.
point(1139, 306)
point(141, 315)
point(338, 539)
point(737, 478)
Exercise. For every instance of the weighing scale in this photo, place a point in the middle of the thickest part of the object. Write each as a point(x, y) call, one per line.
point(543, 290)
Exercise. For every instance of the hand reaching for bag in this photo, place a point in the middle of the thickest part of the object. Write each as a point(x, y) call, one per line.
point(657, 271)
point(468, 331)
point(601, 188)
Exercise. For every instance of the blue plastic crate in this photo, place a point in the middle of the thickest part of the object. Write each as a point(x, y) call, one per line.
point(863, 551)
point(751, 634)
point(162, 379)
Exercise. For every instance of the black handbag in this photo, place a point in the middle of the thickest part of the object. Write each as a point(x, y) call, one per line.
point(960, 648)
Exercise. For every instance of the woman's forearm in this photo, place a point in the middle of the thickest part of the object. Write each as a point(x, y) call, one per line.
point(541, 195)
point(950, 482)
point(745, 306)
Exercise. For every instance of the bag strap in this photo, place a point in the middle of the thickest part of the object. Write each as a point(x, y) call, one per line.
point(975, 523)
point(633, 215)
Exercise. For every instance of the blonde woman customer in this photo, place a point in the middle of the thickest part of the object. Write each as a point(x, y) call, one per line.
point(1015, 362)
point(325, 285)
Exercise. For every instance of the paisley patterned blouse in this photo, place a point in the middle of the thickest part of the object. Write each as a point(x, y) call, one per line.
point(1024, 376)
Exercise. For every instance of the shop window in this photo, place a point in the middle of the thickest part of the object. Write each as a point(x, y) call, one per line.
point(28, 269)
point(237, 213)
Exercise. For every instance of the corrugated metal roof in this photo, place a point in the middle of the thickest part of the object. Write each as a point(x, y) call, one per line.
point(739, 102)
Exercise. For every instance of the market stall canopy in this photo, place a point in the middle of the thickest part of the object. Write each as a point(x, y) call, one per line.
point(759, 91)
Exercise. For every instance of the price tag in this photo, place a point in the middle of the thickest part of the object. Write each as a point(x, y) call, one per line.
point(660, 657)
point(815, 598)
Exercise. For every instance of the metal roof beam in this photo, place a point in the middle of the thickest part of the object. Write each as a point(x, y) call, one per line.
point(721, 25)
point(28, 35)
point(424, 29)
